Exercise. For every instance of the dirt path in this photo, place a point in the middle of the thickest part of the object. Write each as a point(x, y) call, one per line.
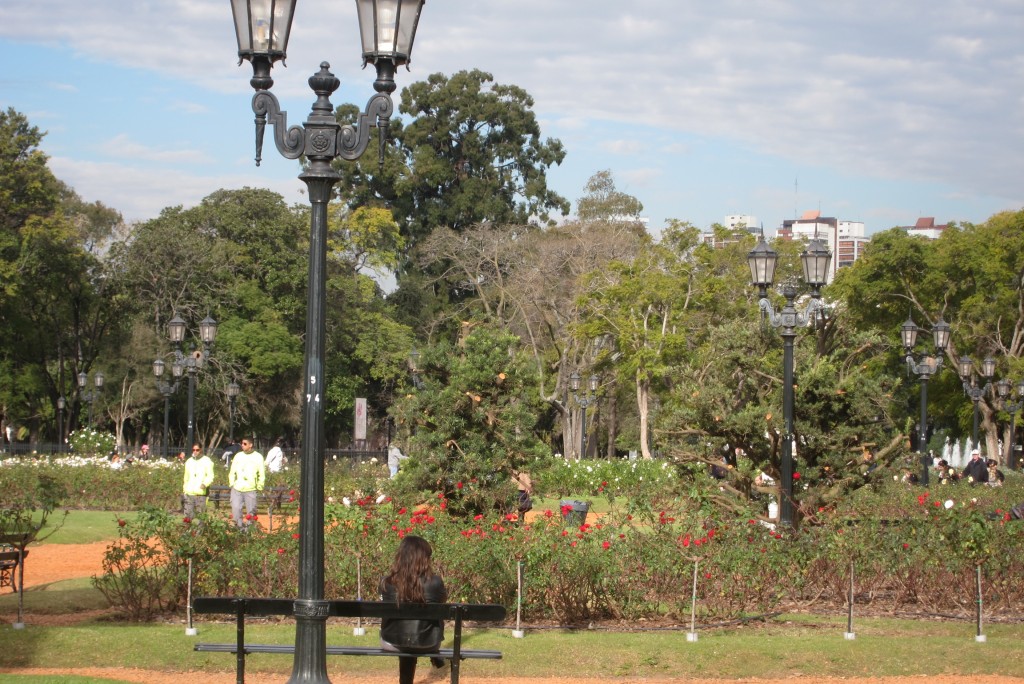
point(151, 677)
point(55, 562)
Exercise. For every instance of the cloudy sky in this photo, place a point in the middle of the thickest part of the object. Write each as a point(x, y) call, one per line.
point(869, 111)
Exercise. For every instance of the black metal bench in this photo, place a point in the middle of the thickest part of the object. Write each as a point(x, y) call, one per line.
point(11, 559)
point(274, 498)
point(265, 607)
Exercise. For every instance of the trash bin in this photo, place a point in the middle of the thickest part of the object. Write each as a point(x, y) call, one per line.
point(574, 512)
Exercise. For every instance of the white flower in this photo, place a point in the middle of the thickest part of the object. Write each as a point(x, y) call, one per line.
point(373, 460)
point(948, 504)
point(347, 501)
point(380, 499)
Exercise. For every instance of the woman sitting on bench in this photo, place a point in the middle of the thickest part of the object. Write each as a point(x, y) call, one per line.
point(412, 579)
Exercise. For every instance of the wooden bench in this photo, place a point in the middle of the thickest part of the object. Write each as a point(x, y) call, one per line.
point(265, 607)
point(271, 497)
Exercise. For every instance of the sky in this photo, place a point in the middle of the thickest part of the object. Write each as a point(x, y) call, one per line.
point(863, 110)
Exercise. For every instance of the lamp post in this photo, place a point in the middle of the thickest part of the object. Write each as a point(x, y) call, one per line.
point(1003, 389)
point(192, 361)
point(762, 260)
point(167, 389)
point(971, 388)
point(61, 405)
point(387, 29)
point(92, 395)
point(414, 368)
point(584, 401)
point(924, 367)
point(233, 390)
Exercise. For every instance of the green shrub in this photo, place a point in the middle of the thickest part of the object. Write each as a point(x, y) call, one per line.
point(91, 442)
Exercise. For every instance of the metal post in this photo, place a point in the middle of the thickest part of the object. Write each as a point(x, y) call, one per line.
point(310, 664)
point(1013, 439)
point(786, 467)
point(231, 420)
point(191, 404)
point(60, 405)
point(167, 422)
point(977, 413)
point(922, 431)
point(583, 431)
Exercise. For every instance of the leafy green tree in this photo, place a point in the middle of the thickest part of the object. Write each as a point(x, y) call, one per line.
point(471, 422)
point(972, 277)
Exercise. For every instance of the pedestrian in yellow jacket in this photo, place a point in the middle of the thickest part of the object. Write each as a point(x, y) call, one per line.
point(246, 478)
point(198, 478)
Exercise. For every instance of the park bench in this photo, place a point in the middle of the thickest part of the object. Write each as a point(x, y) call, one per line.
point(266, 607)
point(274, 498)
point(12, 560)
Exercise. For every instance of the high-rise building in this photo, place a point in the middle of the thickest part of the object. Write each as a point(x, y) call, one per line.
point(845, 239)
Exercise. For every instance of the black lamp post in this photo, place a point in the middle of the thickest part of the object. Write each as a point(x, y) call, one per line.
point(387, 29)
point(1003, 389)
point(762, 261)
point(92, 395)
point(584, 401)
point(167, 389)
point(192, 361)
point(971, 388)
point(924, 367)
point(61, 405)
point(233, 390)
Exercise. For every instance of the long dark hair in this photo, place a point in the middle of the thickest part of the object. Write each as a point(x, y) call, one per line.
point(410, 569)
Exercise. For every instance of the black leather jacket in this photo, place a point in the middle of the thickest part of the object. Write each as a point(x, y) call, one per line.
point(414, 636)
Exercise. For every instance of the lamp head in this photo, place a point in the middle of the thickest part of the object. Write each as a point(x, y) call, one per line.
point(762, 261)
point(262, 28)
point(816, 259)
point(908, 333)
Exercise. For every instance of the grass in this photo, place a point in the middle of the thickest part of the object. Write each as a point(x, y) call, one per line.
point(83, 527)
point(808, 646)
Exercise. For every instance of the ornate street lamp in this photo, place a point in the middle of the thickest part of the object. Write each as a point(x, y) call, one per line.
point(584, 401)
point(815, 260)
point(387, 29)
point(233, 390)
point(92, 395)
point(1003, 389)
point(924, 367)
point(167, 389)
point(970, 383)
point(191, 363)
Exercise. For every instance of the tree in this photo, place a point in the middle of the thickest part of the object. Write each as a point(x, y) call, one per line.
point(973, 276)
point(604, 202)
point(471, 423)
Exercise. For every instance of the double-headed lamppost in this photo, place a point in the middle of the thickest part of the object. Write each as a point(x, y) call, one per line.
point(971, 388)
point(762, 261)
point(167, 389)
point(233, 390)
point(924, 367)
point(61, 405)
point(90, 395)
point(192, 361)
point(1003, 390)
point(584, 401)
point(387, 29)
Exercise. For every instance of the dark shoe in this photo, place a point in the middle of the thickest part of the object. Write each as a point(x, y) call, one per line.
point(437, 662)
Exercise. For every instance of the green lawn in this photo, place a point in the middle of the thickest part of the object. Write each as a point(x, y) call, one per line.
point(790, 646)
point(83, 527)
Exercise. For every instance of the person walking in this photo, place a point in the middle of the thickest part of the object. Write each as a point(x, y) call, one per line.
point(198, 478)
point(246, 479)
point(412, 580)
point(275, 457)
point(395, 458)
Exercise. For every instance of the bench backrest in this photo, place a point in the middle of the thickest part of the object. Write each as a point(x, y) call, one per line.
point(362, 609)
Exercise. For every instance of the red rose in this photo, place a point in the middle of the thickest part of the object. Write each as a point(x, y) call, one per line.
point(796, 476)
point(606, 544)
